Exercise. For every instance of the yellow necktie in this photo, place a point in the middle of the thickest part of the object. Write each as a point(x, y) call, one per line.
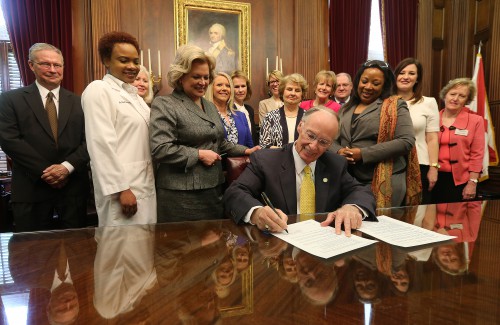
point(307, 195)
point(50, 107)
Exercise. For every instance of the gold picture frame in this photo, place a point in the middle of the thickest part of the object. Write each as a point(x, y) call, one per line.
point(194, 18)
point(245, 307)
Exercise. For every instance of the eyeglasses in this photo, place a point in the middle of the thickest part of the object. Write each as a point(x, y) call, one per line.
point(272, 82)
point(376, 63)
point(47, 65)
point(313, 137)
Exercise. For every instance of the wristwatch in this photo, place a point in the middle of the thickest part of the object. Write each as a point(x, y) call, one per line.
point(436, 165)
point(473, 180)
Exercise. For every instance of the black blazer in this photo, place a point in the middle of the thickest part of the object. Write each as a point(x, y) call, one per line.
point(25, 136)
point(254, 130)
point(273, 171)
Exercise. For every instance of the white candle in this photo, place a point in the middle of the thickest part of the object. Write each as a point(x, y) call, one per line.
point(267, 67)
point(149, 60)
point(276, 63)
point(281, 65)
point(159, 64)
point(142, 61)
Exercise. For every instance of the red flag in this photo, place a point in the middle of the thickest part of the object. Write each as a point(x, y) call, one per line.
point(481, 106)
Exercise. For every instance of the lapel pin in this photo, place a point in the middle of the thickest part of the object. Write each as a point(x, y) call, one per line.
point(325, 180)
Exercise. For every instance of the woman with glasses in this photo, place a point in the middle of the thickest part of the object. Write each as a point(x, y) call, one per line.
point(117, 132)
point(280, 126)
point(274, 102)
point(425, 116)
point(461, 144)
point(324, 88)
point(376, 137)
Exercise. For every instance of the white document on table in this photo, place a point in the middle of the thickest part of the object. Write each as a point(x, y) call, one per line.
point(310, 237)
point(400, 233)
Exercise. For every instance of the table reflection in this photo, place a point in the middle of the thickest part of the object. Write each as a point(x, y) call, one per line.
point(55, 270)
point(215, 272)
point(124, 271)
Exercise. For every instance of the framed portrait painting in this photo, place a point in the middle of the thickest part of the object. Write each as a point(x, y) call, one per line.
point(221, 28)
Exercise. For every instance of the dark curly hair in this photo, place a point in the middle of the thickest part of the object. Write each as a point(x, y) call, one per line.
point(389, 80)
point(108, 41)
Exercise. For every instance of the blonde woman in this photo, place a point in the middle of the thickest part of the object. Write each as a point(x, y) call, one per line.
point(324, 87)
point(221, 93)
point(144, 85)
point(187, 140)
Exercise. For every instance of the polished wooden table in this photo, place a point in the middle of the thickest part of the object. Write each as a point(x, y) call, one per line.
point(219, 273)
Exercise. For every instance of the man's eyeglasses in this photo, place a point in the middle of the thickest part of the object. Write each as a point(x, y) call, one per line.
point(376, 63)
point(47, 65)
point(313, 137)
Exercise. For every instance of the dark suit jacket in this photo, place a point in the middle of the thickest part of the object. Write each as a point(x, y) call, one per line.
point(273, 171)
point(25, 136)
point(253, 129)
point(33, 257)
point(33, 260)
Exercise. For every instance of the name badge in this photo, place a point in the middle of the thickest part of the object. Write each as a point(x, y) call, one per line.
point(461, 132)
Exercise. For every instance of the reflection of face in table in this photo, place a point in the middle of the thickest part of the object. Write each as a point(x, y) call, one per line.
point(225, 272)
point(63, 305)
point(317, 279)
point(241, 256)
point(400, 279)
point(365, 281)
point(450, 258)
point(198, 305)
point(287, 266)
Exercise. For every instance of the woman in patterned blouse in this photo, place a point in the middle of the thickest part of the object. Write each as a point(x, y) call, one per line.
point(221, 93)
point(280, 126)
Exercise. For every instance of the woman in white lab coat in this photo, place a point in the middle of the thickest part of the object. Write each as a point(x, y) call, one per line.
point(117, 132)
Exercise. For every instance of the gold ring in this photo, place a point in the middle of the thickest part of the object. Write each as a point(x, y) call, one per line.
point(267, 227)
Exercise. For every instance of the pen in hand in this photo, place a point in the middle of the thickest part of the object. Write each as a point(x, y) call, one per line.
point(268, 203)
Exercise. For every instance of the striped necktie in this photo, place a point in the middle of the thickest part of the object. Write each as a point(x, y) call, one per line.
point(307, 194)
point(50, 107)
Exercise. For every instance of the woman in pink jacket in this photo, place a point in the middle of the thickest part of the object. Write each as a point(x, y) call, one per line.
point(461, 144)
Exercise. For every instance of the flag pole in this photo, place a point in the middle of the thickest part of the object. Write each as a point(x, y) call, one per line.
point(479, 49)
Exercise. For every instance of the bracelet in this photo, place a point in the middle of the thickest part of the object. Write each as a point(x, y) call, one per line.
point(473, 180)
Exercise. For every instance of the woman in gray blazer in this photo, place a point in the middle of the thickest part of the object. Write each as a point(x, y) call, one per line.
point(187, 141)
point(363, 123)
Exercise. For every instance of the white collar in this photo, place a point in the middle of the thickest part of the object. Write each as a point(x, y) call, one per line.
point(44, 91)
point(122, 84)
point(300, 164)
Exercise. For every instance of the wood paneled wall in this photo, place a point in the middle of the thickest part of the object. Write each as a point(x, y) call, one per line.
point(449, 32)
point(295, 30)
point(457, 27)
